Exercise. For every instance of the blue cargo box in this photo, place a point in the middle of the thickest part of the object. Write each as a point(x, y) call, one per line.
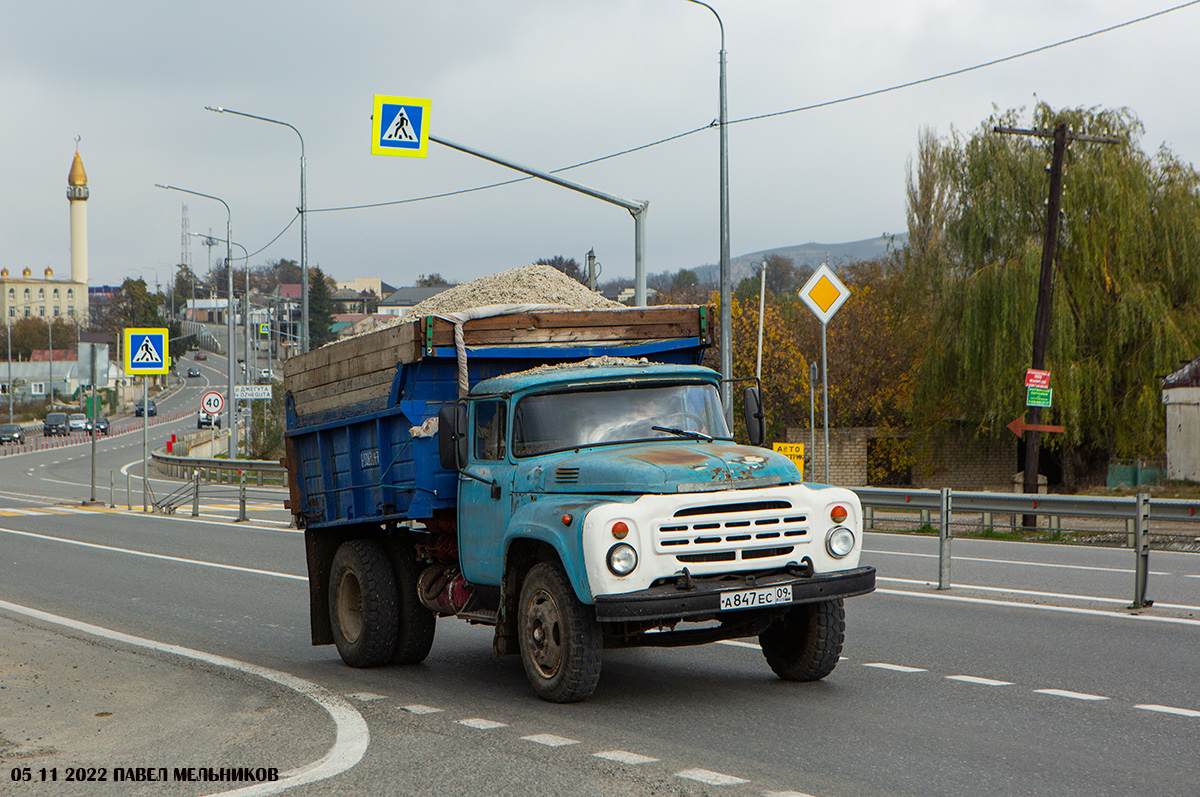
point(360, 442)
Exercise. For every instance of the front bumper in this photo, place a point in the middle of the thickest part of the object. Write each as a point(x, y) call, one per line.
point(702, 598)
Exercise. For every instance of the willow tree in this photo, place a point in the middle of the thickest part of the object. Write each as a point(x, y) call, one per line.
point(1126, 279)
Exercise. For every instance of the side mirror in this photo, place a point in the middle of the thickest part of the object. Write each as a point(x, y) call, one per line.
point(756, 420)
point(452, 436)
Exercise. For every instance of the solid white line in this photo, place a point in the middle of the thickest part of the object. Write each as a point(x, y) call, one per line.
point(1041, 607)
point(550, 740)
point(1182, 712)
point(1070, 694)
point(1060, 595)
point(156, 555)
point(348, 748)
point(973, 679)
point(710, 777)
point(1014, 562)
point(895, 667)
point(623, 757)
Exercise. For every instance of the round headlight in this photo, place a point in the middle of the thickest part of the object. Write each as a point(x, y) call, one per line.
point(622, 559)
point(839, 541)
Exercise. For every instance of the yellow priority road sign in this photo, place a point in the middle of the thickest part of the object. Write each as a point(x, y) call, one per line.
point(824, 293)
point(400, 126)
point(146, 352)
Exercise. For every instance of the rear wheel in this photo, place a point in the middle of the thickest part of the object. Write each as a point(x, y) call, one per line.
point(559, 637)
point(415, 623)
point(804, 644)
point(363, 604)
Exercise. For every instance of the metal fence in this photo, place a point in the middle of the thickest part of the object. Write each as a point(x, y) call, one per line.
point(1141, 515)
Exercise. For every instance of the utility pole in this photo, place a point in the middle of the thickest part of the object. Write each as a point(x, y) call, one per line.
point(1041, 319)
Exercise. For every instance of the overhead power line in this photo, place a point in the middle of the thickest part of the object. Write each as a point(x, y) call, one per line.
point(759, 117)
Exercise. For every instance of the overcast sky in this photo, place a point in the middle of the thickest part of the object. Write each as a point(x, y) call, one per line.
point(545, 83)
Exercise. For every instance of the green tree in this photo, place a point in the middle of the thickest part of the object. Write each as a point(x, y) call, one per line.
point(320, 308)
point(1126, 284)
point(431, 281)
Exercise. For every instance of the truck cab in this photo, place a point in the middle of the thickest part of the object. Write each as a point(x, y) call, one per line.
point(621, 491)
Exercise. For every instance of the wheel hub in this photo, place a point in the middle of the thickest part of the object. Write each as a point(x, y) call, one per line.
point(544, 634)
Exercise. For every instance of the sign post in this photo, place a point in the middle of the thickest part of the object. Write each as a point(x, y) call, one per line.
point(824, 294)
point(146, 355)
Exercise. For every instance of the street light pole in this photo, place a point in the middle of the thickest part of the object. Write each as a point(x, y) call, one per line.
point(303, 209)
point(726, 324)
point(228, 313)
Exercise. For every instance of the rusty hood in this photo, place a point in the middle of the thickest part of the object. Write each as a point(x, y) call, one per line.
point(669, 467)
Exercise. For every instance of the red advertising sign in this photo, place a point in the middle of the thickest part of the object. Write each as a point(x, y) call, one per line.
point(1035, 378)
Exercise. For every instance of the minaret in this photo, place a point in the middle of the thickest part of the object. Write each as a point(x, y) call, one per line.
point(77, 194)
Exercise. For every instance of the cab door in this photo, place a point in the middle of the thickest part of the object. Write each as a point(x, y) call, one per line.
point(485, 495)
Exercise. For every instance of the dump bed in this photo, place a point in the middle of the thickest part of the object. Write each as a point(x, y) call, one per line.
point(360, 412)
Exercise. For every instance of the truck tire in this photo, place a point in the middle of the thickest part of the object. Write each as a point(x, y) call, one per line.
point(559, 637)
point(415, 623)
point(804, 644)
point(363, 604)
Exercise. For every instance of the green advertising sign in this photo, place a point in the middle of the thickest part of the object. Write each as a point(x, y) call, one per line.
point(1038, 396)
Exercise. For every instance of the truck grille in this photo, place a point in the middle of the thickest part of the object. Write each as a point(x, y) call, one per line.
point(727, 532)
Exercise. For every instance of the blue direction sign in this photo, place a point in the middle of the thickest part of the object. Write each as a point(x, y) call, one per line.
point(400, 126)
point(146, 352)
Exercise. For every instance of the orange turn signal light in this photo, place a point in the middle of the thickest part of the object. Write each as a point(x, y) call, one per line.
point(620, 530)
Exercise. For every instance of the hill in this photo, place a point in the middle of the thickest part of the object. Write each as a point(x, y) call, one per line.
point(808, 256)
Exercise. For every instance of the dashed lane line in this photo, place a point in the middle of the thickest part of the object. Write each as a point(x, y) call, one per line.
point(482, 724)
point(879, 665)
point(1181, 712)
point(1069, 694)
point(709, 777)
point(624, 757)
point(352, 739)
point(975, 679)
point(550, 740)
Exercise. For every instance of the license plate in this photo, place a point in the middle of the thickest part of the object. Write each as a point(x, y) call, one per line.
point(754, 598)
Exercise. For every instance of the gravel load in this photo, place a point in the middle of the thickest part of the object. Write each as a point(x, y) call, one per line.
point(532, 284)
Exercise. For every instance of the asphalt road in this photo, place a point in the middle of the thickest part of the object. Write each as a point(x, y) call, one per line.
point(1028, 677)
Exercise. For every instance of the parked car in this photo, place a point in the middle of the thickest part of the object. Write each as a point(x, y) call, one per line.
point(193, 372)
point(264, 376)
point(55, 425)
point(199, 356)
point(207, 420)
point(101, 424)
point(150, 409)
point(12, 433)
point(79, 422)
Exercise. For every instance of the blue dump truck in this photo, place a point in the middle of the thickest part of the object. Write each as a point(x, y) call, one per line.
point(566, 476)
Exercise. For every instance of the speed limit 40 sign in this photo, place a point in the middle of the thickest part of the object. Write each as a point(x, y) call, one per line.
point(212, 403)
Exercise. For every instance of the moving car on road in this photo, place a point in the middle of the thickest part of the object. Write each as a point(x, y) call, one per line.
point(101, 424)
point(12, 433)
point(79, 422)
point(193, 372)
point(150, 409)
point(207, 420)
point(199, 356)
point(55, 425)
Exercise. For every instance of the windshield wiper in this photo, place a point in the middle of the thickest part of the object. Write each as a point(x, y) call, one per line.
point(683, 433)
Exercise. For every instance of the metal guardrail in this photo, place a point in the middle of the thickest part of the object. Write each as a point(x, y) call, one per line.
point(1139, 513)
point(224, 469)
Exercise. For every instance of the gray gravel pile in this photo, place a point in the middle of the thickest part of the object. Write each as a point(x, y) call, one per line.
point(532, 284)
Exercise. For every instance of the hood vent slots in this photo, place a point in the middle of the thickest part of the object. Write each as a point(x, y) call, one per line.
point(566, 476)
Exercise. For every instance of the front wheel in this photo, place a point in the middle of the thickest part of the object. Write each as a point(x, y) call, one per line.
point(363, 605)
point(559, 637)
point(805, 644)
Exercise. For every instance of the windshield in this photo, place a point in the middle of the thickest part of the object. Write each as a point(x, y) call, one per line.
point(558, 421)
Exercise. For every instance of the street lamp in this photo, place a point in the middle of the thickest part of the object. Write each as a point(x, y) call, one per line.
point(228, 312)
point(726, 275)
point(303, 222)
point(245, 312)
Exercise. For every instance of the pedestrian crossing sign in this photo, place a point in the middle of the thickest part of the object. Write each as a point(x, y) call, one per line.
point(146, 352)
point(400, 126)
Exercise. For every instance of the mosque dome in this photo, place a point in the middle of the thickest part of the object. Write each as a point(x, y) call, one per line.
point(77, 176)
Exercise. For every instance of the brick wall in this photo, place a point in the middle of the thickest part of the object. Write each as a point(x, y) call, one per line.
point(956, 460)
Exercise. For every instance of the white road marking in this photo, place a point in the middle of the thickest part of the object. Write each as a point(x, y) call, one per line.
point(710, 777)
point(353, 736)
point(1034, 593)
point(550, 740)
point(736, 644)
point(1013, 562)
point(417, 708)
point(482, 724)
point(894, 667)
point(623, 757)
point(366, 697)
point(1070, 694)
point(1182, 712)
point(974, 679)
point(786, 794)
point(156, 555)
point(1041, 607)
